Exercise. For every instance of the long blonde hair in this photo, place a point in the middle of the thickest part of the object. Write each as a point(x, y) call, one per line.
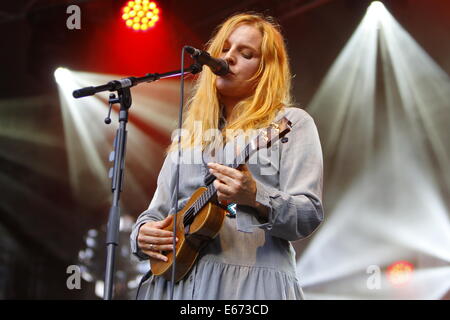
point(272, 92)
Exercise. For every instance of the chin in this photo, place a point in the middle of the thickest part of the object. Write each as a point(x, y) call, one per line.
point(228, 92)
point(225, 88)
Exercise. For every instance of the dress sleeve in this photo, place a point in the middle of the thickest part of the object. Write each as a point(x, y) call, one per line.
point(295, 210)
point(158, 209)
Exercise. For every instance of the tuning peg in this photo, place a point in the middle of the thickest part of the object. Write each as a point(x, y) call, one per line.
point(110, 173)
point(284, 140)
point(112, 156)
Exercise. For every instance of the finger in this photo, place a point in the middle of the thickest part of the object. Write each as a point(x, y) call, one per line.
point(150, 230)
point(223, 188)
point(145, 240)
point(233, 173)
point(224, 178)
point(221, 197)
point(155, 255)
point(166, 222)
point(163, 247)
point(157, 247)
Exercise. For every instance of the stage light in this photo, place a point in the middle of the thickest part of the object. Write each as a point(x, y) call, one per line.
point(385, 140)
point(89, 140)
point(377, 6)
point(61, 74)
point(140, 12)
point(400, 273)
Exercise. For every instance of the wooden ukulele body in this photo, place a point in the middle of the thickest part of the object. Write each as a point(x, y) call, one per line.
point(191, 239)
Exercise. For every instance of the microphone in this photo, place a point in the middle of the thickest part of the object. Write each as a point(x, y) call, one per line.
point(217, 66)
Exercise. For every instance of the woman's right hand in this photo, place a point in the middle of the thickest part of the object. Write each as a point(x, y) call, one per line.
point(152, 239)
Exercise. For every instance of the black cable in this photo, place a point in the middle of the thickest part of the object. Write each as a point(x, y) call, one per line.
point(177, 177)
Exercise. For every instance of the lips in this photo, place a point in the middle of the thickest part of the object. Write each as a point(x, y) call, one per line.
point(230, 74)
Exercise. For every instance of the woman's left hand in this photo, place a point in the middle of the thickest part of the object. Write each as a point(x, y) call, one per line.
point(234, 186)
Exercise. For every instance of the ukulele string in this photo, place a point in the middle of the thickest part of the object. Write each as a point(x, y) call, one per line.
point(200, 202)
point(209, 193)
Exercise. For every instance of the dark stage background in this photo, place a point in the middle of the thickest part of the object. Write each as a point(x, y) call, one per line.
point(44, 223)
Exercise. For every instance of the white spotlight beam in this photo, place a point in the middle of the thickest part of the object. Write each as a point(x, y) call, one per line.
point(9, 127)
point(83, 136)
point(344, 104)
point(423, 86)
point(392, 209)
point(89, 140)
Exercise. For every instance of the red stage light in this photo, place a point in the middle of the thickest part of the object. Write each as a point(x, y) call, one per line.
point(400, 273)
point(140, 14)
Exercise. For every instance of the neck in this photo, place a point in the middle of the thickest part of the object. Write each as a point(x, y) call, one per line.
point(228, 106)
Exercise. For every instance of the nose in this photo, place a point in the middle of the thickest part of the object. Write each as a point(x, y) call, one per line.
point(229, 57)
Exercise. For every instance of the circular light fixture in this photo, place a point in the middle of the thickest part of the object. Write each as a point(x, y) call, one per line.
point(140, 15)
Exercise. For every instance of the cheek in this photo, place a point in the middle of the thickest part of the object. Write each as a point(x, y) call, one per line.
point(250, 69)
point(238, 85)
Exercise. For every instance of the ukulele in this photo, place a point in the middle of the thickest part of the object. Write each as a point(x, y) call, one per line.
point(202, 217)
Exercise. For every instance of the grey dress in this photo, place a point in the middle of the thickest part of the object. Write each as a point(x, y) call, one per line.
point(248, 260)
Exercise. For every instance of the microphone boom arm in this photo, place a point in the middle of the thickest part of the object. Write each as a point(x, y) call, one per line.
point(129, 82)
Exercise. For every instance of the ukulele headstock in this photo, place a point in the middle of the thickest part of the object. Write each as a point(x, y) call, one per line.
point(276, 131)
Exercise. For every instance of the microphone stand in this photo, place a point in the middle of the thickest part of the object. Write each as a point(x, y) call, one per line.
point(122, 87)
